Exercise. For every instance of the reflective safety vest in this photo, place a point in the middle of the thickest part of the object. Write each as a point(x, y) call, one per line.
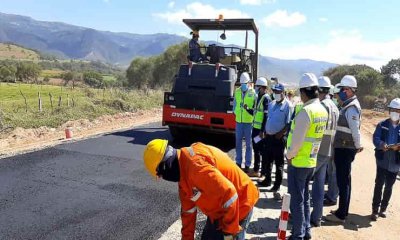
point(211, 182)
point(307, 155)
point(259, 113)
point(242, 116)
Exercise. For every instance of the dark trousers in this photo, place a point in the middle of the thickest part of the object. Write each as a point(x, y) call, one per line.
point(257, 149)
point(273, 152)
point(298, 187)
point(343, 159)
point(383, 177)
point(212, 231)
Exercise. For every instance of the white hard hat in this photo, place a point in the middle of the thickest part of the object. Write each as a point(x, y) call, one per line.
point(336, 88)
point(308, 80)
point(244, 78)
point(262, 81)
point(324, 82)
point(395, 103)
point(348, 81)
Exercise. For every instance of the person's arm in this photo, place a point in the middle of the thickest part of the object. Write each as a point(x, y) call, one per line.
point(376, 138)
point(209, 179)
point(299, 133)
point(283, 132)
point(188, 216)
point(265, 105)
point(353, 119)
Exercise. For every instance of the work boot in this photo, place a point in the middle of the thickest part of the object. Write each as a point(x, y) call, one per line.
point(374, 216)
point(382, 214)
point(329, 203)
point(316, 224)
point(246, 169)
point(333, 218)
point(265, 183)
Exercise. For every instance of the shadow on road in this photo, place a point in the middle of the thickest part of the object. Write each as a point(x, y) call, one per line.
point(263, 226)
point(141, 136)
point(354, 222)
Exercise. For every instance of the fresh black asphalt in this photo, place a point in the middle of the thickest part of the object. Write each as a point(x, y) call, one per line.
point(91, 189)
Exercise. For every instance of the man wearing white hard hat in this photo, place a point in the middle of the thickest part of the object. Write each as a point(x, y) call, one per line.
point(303, 145)
point(325, 150)
point(260, 117)
point(243, 108)
point(386, 139)
point(347, 144)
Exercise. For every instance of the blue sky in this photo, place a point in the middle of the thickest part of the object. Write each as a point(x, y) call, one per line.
point(340, 31)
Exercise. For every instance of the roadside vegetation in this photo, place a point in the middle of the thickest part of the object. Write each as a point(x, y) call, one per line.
point(60, 104)
point(373, 86)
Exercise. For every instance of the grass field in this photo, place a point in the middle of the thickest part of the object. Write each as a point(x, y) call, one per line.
point(89, 104)
point(9, 51)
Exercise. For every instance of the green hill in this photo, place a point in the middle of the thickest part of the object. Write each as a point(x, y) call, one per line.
point(14, 52)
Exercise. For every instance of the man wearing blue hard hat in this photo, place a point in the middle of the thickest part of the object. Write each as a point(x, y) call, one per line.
point(279, 112)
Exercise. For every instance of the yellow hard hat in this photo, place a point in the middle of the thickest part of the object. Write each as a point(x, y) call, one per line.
point(153, 154)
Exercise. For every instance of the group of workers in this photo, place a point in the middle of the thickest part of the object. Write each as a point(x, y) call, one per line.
point(321, 137)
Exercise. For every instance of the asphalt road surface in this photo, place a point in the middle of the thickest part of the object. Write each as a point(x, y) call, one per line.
point(91, 189)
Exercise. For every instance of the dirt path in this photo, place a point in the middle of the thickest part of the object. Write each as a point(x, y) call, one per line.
point(358, 225)
point(23, 140)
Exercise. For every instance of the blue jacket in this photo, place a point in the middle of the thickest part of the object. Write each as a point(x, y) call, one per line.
point(386, 133)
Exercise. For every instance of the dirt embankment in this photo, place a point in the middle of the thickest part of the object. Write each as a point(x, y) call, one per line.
point(20, 140)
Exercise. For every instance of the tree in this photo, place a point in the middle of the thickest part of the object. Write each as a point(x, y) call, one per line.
point(93, 79)
point(391, 73)
point(67, 76)
point(157, 71)
point(140, 72)
point(7, 73)
point(28, 71)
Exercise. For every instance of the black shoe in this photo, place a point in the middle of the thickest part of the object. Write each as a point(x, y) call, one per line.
point(265, 183)
point(329, 203)
point(315, 224)
point(246, 169)
point(307, 237)
point(239, 165)
point(382, 214)
point(374, 216)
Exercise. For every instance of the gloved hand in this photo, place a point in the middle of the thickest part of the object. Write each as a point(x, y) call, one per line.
point(228, 237)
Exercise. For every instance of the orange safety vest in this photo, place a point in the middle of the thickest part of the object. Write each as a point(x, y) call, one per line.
point(211, 181)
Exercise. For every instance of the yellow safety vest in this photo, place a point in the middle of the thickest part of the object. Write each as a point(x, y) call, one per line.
point(259, 114)
point(307, 155)
point(242, 116)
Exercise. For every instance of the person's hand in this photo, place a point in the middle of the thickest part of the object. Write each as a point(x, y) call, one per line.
point(261, 135)
point(360, 149)
point(279, 135)
point(384, 147)
point(245, 106)
point(229, 237)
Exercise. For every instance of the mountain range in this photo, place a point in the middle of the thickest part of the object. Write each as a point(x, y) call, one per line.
point(75, 42)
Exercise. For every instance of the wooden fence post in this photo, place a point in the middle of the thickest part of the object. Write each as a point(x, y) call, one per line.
point(26, 104)
point(51, 101)
point(67, 100)
point(40, 102)
point(59, 101)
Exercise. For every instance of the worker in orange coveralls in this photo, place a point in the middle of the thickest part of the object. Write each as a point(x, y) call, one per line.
point(208, 180)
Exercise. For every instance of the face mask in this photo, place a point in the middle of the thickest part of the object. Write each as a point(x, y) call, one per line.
point(277, 97)
point(257, 90)
point(244, 87)
point(394, 116)
point(343, 96)
point(169, 167)
point(335, 101)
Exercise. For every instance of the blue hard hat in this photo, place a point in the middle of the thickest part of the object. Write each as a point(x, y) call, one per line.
point(278, 87)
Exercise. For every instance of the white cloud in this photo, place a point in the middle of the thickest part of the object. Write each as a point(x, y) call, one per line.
point(106, 1)
point(281, 18)
point(344, 47)
point(199, 10)
point(323, 19)
point(255, 2)
point(171, 4)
